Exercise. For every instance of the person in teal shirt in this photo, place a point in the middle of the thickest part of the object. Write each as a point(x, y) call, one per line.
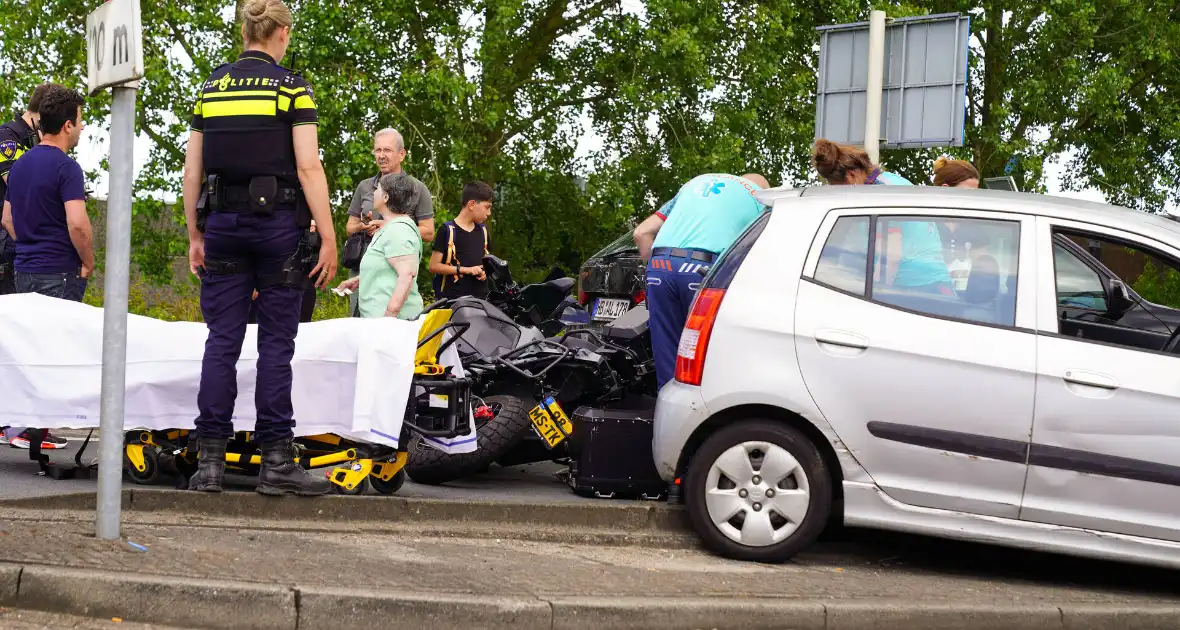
point(915, 245)
point(692, 231)
point(388, 271)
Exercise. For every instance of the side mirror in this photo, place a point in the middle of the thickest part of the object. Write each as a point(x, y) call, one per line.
point(1120, 298)
point(497, 270)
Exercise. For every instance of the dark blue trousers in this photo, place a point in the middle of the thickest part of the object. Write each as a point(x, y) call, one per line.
point(672, 283)
point(265, 242)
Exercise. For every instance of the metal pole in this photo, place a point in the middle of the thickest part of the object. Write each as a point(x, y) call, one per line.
point(876, 80)
point(114, 330)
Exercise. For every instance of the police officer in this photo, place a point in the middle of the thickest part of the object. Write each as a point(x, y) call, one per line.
point(705, 217)
point(16, 137)
point(253, 160)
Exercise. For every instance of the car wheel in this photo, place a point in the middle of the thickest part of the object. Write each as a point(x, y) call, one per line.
point(758, 491)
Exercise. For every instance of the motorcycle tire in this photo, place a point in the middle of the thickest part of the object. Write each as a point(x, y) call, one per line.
point(494, 438)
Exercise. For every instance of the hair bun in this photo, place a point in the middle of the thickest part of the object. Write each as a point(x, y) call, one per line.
point(255, 8)
point(941, 162)
point(826, 152)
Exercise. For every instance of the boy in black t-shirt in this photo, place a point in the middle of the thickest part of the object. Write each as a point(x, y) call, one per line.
point(460, 245)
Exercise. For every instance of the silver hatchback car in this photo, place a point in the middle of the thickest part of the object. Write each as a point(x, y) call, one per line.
point(982, 365)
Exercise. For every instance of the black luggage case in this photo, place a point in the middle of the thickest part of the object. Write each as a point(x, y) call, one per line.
point(611, 452)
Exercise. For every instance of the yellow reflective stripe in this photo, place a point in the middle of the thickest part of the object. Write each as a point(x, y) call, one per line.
point(284, 102)
point(293, 91)
point(239, 108)
point(197, 108)
point(237, 94)
point(304, 102)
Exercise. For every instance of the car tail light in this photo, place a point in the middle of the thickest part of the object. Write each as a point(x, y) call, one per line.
point(694, 340)
point(639, 297)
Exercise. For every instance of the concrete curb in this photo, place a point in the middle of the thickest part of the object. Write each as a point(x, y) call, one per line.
point(613, 515)
point(231, 605)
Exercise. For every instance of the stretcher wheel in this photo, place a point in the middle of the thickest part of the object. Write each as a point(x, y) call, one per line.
point(358, 490)
point(389, 487)
point(151, 471)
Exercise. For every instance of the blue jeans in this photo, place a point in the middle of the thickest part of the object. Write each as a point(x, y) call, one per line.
point(265, 242)
point(67, 286)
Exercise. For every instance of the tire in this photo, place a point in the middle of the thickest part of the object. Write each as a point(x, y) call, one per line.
point(151, 463)
point(391, 486)
point(430, 466)
point(808, 482)
point(355, 492)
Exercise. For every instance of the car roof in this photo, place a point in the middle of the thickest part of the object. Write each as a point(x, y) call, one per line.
point(1117, 217)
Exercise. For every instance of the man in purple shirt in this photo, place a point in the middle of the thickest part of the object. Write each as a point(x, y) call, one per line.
point(44, 213)
point(45, 206)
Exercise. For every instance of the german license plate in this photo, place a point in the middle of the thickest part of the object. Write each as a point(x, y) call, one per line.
point(550, 422)
point(607, 309)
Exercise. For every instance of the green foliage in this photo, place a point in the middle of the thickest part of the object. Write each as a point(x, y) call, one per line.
point(1159, 286)
point(502, 90)
point(1098, 77)
point(180, 302)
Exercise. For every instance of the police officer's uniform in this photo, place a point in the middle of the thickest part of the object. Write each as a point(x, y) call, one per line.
point(254, 222)
point(707, 215)
point(16, 137)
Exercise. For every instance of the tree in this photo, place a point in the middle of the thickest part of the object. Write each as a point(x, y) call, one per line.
point(492, 90)
point(1096, 77)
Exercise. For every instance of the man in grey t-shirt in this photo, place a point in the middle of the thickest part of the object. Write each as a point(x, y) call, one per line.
point(389, 151)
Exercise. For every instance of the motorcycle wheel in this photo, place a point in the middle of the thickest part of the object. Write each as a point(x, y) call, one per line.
point(495, 437)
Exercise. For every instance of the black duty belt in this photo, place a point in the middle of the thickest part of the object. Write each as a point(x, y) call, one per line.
point(676, 252)
point(238, 199)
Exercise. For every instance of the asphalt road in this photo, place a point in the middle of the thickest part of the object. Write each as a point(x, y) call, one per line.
point(17, 619)
point(879, 552)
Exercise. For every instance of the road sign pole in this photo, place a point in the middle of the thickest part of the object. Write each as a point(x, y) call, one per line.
point(876, 81)
point(114, 330)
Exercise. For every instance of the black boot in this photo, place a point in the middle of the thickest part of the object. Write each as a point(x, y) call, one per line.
point(210, 465)
point(281, 475)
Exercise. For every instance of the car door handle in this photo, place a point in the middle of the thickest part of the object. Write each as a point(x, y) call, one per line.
point(1090, 379)
point(842, 339)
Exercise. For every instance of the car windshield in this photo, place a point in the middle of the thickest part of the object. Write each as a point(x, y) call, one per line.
point(622, 245)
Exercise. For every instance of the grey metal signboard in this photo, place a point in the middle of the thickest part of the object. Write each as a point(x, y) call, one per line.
point(924, 96)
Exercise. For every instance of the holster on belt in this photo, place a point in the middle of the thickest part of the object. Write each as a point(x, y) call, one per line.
point(264, 194)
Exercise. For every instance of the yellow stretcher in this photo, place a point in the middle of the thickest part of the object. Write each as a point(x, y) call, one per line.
point(148, 454)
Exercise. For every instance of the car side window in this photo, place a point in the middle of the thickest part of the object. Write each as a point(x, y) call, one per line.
point(955, 267)
point(844, 258)
point(1078, 286)
point(1154, 276)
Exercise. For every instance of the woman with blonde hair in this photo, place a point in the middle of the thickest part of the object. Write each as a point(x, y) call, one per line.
point(955, 173)
point(254, 152)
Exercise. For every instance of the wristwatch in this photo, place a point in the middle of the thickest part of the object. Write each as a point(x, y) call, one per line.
point(458, 270)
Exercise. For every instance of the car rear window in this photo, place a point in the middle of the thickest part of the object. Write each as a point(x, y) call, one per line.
point(726, 267)
point(622, 245)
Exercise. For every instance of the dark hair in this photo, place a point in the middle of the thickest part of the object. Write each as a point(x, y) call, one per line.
point(58, 106)
point(38, 95)
point(399, 193)
point(953, 172)
point(834, 161)
point(476, 191)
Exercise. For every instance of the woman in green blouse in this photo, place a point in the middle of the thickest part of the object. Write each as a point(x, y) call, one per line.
point(389, 269)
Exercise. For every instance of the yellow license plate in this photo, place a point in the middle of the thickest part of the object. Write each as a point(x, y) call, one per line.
point(551, 422)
